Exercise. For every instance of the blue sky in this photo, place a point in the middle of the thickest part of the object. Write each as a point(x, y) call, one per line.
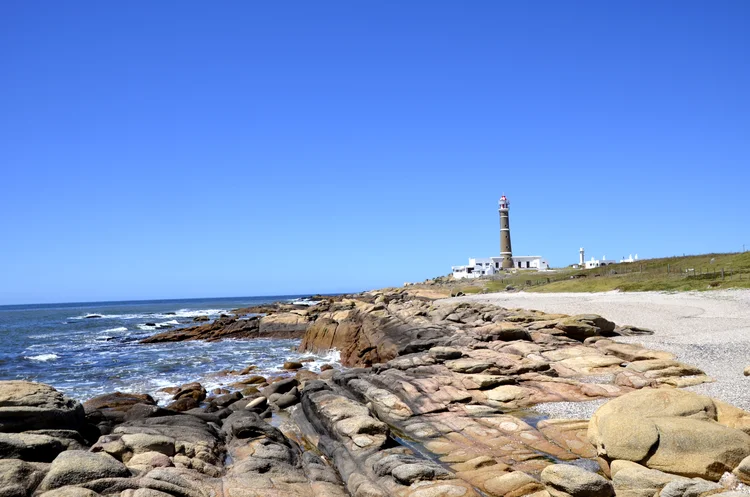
point(187, 149)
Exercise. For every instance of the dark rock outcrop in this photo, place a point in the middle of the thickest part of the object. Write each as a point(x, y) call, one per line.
point(34, 406)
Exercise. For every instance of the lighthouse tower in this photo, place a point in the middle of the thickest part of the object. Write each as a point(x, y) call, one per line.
point(505, 251)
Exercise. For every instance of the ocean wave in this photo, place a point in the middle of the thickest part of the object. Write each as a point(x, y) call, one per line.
point(180, 313)
point(119, 329)
point(42, 357)
point(332, 357)
point(156, 326)
point(307, 302)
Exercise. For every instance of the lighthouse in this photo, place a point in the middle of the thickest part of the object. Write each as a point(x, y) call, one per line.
point(505, 251)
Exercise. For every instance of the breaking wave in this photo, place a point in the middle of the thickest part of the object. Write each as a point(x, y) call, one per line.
point(42, 357)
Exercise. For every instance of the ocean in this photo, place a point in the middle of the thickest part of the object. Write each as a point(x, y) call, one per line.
point(88, 349)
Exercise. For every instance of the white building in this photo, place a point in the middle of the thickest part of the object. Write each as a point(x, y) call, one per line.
point(630, 258)
point(594, 263)
point(599, 263)
point(478, 267)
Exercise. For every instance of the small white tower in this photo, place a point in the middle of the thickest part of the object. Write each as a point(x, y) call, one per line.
point(580, 259)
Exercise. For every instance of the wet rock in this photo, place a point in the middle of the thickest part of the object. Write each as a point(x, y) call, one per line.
point(253, 380)
point(258, 404)
point(183, 404)
point(226, 399)
point(192, 390)
point(76, 466)
point(280, 387)
point(219, 329)
point(118, 401)
point(292, 365)
point(565, 480)
point(248, 370)
point(286, 400)
point(34, 406)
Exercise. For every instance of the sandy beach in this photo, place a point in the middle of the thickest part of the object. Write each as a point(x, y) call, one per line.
point(708, 329)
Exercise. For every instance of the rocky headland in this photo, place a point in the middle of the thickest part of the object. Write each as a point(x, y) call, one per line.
point(433, 399)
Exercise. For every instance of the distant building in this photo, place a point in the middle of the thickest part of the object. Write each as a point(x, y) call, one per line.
point(594, 263)
point(477, 268)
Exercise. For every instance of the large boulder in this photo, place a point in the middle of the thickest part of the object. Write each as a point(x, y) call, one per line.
point(34, 406)
point(633, 480)
point(77, 466)
point(283, 325)
point(117, 401)
point(671, 430)
point(584, 326)
point(742, 471)
point(566, 480)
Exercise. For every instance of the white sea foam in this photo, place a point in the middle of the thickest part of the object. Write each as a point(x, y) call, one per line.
point(304, 302)
point(42, 357)
point(156, 326)
point(119, 329)
point(332, 357)
point(181, 313)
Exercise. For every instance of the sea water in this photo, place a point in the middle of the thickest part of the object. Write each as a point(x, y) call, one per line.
point(87, 349)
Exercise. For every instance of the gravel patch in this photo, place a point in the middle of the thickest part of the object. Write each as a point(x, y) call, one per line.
point(569, 410)
point(710, 330)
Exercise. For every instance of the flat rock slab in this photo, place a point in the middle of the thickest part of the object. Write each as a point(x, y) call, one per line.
point(34, 406)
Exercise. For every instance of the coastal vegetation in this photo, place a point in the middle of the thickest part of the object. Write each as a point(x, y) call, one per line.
point(685, 273)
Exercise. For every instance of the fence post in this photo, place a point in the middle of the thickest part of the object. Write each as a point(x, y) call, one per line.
point(722, 273)
point(667, 268)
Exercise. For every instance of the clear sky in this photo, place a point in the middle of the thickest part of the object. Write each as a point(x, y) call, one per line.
point(198, 149)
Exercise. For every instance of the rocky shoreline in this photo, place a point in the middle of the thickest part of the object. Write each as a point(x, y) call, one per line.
point(436, 399)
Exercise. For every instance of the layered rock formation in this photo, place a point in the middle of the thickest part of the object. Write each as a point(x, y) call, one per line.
point(437, 401)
